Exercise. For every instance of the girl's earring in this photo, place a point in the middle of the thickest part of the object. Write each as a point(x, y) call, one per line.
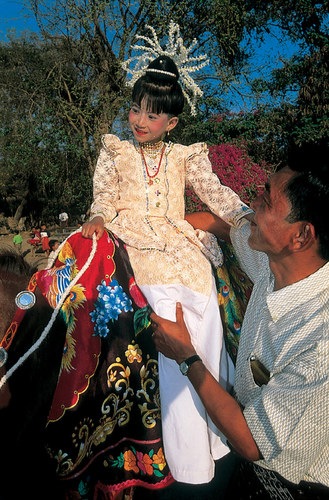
point(168, 132)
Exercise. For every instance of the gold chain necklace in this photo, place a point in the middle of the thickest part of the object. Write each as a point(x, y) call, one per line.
point(152, 149)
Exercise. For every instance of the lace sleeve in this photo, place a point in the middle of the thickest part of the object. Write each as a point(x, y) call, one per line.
point(105, 183)
point(220, 199)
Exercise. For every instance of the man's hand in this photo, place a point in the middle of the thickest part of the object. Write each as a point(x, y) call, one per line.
point(96, 225)
point(172, 338)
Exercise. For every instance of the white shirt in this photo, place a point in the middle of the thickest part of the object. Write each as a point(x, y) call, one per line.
point(288, 331)
point(63, 216)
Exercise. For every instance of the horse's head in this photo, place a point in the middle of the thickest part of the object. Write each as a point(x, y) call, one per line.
point(26, 397)
point(15, 274)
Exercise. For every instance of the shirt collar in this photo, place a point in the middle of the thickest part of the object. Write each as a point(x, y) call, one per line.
point(290, 297)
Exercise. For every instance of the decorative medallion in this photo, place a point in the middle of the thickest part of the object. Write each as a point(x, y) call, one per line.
point(25, 299)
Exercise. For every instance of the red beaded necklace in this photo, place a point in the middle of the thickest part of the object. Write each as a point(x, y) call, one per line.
point(157, 169)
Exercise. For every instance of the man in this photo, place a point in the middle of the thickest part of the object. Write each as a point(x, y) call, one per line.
point(63, 219)
point(278, 417)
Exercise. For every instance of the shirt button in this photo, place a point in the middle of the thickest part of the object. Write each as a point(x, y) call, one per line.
point(158, 204)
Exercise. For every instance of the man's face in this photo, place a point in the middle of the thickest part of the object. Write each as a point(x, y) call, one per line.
point(270, 231)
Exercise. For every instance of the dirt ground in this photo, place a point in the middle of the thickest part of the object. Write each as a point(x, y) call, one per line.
point(31, 256)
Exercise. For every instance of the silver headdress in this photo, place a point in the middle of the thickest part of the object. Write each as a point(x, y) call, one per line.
point(177, 52)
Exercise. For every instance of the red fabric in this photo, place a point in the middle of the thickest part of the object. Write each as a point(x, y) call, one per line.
point(104, 426)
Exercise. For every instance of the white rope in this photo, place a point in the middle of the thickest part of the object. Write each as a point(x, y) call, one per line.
point(47, 329)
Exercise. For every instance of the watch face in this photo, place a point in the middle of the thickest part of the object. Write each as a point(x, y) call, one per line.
point(183, 368)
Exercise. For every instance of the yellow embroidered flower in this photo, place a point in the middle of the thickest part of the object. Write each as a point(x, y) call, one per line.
point(134, 352)
point(112, 375)
point(159, 459)
point(130, 461)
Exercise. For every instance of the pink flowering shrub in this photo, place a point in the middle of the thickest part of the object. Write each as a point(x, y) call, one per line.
point(236, 170)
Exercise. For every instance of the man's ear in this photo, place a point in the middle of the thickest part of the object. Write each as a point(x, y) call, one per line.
point(172, 123)
point(304, 236)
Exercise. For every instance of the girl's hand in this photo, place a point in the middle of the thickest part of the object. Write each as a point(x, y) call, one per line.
point(96, 225)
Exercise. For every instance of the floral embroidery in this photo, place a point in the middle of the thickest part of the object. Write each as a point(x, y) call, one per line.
point(142, 319)
point(84, 488)
point(142, 315)
point(111, 302)
point(145, 463)
point(149, 400)
point(136, 293)
point(159, 459)
point(130, 461)
point(134, 352)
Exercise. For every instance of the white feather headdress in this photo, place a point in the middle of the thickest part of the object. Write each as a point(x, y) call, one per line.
point(174, 49)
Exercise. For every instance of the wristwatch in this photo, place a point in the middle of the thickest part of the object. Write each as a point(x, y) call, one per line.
point(185, 365)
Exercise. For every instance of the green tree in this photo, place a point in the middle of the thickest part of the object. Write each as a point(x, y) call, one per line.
point(62, 89)
point(306, 72)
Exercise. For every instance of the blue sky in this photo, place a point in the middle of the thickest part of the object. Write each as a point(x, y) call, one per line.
point(14, 16)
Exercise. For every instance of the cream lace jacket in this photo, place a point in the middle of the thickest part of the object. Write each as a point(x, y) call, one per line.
point(149, 218)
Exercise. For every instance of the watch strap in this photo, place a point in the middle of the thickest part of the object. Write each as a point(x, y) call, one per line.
point(188, 362)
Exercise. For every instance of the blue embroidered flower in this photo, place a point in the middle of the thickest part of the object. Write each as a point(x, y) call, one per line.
point(111, 302)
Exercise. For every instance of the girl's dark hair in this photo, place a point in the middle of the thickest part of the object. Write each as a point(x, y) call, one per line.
point(160, 91)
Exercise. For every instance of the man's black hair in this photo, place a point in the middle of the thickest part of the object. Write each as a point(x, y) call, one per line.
point(308, 190)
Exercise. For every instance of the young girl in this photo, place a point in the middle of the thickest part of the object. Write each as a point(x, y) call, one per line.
point(139, 196)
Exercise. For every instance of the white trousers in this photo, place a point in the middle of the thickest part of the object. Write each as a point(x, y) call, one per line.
point(191, 440)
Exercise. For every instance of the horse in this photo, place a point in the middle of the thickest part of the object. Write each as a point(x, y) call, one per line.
point(25, 399)
point(81, 415)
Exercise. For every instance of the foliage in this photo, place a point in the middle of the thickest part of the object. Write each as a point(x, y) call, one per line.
point(62, 88)
point(235, 169)
point(306, 72)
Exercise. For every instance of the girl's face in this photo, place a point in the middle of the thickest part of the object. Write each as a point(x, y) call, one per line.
point(147, 126)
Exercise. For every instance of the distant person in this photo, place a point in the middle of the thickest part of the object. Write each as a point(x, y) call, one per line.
point(45, 240)
point(35, 238)
point(18, 240)
point(63, 219)
point(53, 245)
